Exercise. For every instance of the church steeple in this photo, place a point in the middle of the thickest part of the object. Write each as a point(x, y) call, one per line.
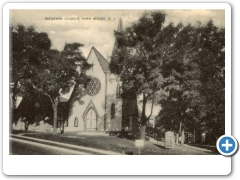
point(119, 29)
point(120, 26)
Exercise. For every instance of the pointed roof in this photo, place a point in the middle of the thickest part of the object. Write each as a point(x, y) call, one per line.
point(103, 62)
point(120, 26)
point(119, 29)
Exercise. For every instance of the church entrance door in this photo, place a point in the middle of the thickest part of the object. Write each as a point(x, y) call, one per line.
point(91, 121)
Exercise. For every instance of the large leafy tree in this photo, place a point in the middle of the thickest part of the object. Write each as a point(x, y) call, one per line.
point(142, 48)
point(59, 72)
point(211, 60)
point(182, 82)
point(195, 80)
point(27, 51)
point(34, 66)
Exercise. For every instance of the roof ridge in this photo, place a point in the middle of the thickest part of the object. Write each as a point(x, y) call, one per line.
point(99, 53)
point(104, 64)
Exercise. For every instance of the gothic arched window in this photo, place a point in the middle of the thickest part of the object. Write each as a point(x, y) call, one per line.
point(113, 111)
point(76, 122)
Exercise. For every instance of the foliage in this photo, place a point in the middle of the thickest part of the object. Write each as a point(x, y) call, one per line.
point(194, 79)
point(142, 48)
point(180, 67)
point(34, 65)
point(27, 50)
point(59, 72)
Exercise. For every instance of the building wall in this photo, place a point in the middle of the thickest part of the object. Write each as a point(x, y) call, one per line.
point(113, 124)
point(78, 107)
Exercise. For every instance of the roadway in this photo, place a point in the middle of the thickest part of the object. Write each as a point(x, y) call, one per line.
point(27, 147)
point(22, 145)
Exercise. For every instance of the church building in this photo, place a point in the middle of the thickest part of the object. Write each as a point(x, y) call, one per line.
point(101, 107)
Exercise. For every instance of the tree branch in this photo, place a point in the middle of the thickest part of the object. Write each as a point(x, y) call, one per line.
point(39, 90)
point(148, 95)
point(49, 97)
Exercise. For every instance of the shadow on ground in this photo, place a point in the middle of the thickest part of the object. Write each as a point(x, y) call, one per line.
point(208, 147)
point(159, 146)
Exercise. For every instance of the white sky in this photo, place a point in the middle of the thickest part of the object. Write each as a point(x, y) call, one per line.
point(99, 33)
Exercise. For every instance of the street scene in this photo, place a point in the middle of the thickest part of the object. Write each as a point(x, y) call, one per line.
point(116, 82)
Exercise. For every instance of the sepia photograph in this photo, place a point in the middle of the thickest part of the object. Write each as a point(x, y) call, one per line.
point(116, 81)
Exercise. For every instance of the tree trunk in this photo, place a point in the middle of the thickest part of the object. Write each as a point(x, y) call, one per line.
point(14, 102)
point(54, 102)
point(143, 127)
point(143, 132)
point(26, 126)
point(180, 130)
point(10, 120)
point(143, 119)
point(12, 117)
point(13, 105)
point(62, 126)
point(182, 134)
point(13, 99)
point(54, 119)
point(194, 136)
point(177, 138)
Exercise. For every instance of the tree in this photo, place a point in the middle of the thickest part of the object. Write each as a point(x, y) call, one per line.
point(34, 66)
point(138, 61)
point(59, 72)
point(182, 80)
point(211, 44)
point(195, 77)
point(27, 50)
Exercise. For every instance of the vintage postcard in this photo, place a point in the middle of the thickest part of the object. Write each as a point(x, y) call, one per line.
point(143, 80)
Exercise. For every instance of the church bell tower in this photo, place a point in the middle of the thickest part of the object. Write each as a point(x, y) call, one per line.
point(129, 100)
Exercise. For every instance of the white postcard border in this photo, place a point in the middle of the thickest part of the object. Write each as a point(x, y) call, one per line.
point(114, 165)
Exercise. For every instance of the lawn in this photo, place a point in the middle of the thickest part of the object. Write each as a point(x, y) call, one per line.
point(121, 145)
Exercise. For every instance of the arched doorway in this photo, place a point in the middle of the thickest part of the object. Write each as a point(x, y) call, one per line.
point(91, 120)
point(90, 117)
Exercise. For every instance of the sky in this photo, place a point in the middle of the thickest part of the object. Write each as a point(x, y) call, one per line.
point(75, 25)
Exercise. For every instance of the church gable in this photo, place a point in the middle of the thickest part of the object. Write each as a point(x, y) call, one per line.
point(98, 61)
point(103, 62)
point(89, 111)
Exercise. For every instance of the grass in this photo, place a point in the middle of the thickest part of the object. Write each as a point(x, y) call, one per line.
point(113, 143)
